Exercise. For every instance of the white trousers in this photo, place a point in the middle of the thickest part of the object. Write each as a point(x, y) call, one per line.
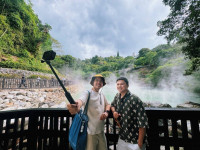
point(122, 145)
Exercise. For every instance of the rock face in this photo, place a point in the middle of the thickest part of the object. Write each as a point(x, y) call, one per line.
point(32, 98)
point(157, 104)
point(189, 105)
point(184, 105)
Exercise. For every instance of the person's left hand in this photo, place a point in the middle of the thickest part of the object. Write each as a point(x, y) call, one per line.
point(104, 116)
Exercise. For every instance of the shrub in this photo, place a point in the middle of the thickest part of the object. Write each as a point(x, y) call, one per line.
point(106, 73)
point(34, 76)
point(10, 76)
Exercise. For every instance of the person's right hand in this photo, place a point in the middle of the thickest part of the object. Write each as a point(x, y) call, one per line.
point(73, 108)
point(116, 115)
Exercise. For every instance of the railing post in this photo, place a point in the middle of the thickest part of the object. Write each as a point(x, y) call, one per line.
point(3, 83)
point(45, 83)
point(152, 131)
point(32, 127)
point(31, 83)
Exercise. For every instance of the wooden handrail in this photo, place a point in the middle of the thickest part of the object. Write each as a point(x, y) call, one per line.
point(47, 128)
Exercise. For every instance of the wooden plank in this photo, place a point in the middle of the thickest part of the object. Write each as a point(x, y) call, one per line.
point(59, 129)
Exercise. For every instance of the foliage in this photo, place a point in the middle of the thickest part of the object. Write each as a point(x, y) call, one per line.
point(182, 25)
point(24, 63)
point(148, 59)
point(58, 62)
point(161, 47)
point(23, 36)
point(96, 64)
point(69, 60)
point(154, 65)
point(164, 55)
point(106, 73)
point(140, 61)
point(64, 61)
point(164, 71)
point(143, 52)
point(23, 28)
point(23, 39)
point(196, 87)
point(36, 76)
point(158, 74)
point(10, 76)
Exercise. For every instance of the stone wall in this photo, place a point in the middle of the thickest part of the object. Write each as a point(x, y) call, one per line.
point(23, 72)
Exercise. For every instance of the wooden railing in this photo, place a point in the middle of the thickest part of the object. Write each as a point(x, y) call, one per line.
point(177, 129)
point(47, 129)
point(9, 83)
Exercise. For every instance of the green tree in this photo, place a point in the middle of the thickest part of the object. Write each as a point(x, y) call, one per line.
point(58, 62)
point(140, 61)
point(149, 58)
point(95, 60)
point(23, 37)
point(143, 52)
point(25, 30)
point(161, 47)
point(183, 26)
point(128, 61)
point(69, 60)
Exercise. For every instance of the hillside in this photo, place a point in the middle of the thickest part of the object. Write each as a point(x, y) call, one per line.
point(23, 38)
point(164, 65)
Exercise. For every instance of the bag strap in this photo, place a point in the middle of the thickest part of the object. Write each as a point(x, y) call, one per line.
point(86, 105)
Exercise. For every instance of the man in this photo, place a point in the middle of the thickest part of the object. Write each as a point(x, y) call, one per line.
point(23, 81)
point(98, 109)
point(129, 110)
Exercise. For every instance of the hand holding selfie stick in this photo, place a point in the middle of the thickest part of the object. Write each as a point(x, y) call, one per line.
point(50, 55)
point(118, 124)
point(117, 118)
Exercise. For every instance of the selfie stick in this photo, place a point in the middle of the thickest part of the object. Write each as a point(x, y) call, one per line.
point(67, 94)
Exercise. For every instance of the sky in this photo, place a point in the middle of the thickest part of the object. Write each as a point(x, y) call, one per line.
point(86, 28)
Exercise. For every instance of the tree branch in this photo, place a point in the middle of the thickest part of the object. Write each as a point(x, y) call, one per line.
point(3, 33)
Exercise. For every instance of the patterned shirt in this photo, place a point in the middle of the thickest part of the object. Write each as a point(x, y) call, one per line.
point(133, 116)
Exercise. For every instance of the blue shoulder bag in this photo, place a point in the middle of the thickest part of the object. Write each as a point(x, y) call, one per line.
point(78, 129)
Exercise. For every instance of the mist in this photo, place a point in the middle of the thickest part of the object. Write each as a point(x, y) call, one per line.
point(174, 89)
